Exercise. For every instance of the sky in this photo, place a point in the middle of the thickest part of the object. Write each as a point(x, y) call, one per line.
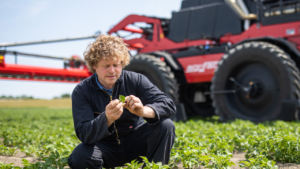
point(34, 20)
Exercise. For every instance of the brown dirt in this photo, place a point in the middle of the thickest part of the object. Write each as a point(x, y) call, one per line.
point(288, 166)
point(17, 159)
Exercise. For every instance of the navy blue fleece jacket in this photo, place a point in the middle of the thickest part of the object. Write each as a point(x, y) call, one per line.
point(89, 102)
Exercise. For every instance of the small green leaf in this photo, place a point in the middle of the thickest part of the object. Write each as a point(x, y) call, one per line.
point(122, 98)
point(49, 161)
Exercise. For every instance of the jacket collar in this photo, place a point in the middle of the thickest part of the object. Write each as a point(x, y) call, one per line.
point(95, 85)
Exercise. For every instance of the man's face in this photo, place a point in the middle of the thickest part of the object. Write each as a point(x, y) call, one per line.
point(108, 72)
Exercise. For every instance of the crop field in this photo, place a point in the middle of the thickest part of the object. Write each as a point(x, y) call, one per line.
point(47, 136)
point(56, 103)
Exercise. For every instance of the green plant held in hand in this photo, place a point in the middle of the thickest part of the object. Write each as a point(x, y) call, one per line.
point(122, 98)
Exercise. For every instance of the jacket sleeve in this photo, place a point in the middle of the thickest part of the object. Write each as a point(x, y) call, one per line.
point(152, 97)
point(88, 129)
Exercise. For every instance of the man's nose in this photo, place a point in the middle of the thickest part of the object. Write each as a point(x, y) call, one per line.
point(111, 68)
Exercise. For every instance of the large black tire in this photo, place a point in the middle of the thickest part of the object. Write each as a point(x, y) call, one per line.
point(157, 72)
point(272, 73)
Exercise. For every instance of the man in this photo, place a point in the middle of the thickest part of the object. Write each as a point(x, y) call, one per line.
point(113, 133)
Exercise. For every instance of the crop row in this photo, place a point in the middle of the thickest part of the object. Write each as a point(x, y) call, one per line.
point(49, 134)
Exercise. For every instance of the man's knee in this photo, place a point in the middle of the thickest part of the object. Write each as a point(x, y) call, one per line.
point(86, 156)
point(167, 125)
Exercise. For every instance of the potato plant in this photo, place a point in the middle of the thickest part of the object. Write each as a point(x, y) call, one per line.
point(49, 134)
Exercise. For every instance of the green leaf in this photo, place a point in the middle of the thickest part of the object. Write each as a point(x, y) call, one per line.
point(122, 98)
point(49, 161)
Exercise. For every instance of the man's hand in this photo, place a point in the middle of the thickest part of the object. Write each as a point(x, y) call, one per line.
point(113, 111)
point(135, 106)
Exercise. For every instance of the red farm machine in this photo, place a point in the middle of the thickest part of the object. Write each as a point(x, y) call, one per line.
point(74, 69)
point(233, 58)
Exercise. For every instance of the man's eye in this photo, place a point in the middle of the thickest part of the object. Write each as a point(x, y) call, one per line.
point(116, 65)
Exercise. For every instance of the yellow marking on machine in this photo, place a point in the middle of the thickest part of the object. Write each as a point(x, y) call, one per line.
point(1, 58)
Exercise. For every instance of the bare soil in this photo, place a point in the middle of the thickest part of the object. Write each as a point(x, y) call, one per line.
point(17, 159)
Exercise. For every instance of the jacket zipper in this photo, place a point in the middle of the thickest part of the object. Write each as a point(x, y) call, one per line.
point(114, 121)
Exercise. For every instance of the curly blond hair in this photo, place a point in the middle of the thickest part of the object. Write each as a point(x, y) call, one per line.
point(106, 47)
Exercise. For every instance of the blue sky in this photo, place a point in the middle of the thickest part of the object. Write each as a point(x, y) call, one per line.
point(33, 20)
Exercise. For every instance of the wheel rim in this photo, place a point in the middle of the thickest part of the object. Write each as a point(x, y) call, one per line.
point(262, 96)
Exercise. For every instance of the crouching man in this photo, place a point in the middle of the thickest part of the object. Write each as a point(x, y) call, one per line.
point(113, 133)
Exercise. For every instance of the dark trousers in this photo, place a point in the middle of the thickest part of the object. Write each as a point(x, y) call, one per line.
point(153, 141)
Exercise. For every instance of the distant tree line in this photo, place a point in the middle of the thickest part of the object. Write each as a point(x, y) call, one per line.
point(23, 97)
point(63, 96)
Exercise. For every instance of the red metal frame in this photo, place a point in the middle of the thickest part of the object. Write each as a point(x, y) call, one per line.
point(34, 73)
point(161, 43)
point(276, 31)
point(196, 68)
